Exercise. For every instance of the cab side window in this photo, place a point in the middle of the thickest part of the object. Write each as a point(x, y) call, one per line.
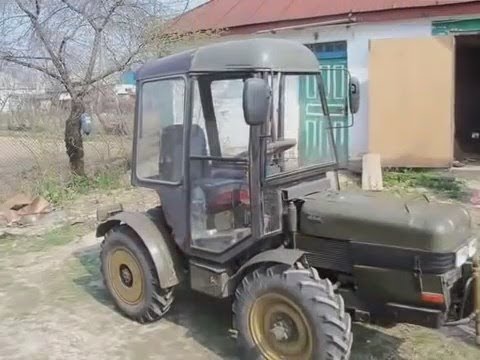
point(160, 131)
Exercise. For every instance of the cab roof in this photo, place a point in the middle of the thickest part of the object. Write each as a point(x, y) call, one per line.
point(254, 54)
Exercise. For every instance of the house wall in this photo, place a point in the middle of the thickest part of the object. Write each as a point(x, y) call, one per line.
point(357, 37)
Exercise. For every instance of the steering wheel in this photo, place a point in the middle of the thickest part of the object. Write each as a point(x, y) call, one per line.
point(274, 148)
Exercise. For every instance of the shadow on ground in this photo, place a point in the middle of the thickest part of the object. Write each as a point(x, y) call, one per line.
point(208, 320)
point(371, 344)
point(90, 278)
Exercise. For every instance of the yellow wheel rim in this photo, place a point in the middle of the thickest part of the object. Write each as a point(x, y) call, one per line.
point(280, 329)
point(126, 276)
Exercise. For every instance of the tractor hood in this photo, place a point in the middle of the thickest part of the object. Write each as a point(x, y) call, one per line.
point(376, 218)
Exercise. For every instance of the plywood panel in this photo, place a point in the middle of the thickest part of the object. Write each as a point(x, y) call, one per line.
point(411, 101)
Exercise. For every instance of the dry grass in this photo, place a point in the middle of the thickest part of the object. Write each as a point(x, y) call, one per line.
point(33, 157)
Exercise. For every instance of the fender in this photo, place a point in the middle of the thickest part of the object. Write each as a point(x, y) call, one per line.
point(164, 255)
point(277, 256)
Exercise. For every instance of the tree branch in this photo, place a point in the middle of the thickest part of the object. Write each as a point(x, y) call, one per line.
point(16, 60)
point(27, 57)
point(53, 13)
point(95, 24)
point(110, 12)
point(25, 10)
point(81, 12)
point(39, 32)
point(63, 45)
point(93, 56)
point(61, 50)
point(119, 67)
point(92, 22)
point(98, 39)
point(37, 7)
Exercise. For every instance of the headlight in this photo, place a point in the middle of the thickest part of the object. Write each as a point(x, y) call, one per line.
point(472, 248)
point(461, 256)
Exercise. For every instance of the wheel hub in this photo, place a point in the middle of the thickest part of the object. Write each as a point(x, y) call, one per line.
point(283, 330)
point(279, 328)
point(125, 276)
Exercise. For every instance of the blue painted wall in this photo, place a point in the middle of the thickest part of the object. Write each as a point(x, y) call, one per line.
point(128, 78)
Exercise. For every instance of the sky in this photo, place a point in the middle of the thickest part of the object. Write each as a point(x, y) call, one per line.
point(195, 3)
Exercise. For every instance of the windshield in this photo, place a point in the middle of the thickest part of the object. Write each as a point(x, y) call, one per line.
point(227, 130)
point(300, 129)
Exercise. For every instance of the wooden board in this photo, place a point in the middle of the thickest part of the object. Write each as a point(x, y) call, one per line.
point(372, 179)
point(411, 101)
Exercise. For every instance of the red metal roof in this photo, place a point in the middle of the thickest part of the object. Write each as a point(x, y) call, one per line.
point(241, 13)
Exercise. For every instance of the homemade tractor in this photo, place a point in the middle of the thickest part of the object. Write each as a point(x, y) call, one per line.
point(248, 211)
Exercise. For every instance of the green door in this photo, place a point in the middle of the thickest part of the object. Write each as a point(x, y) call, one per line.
point(314, 136)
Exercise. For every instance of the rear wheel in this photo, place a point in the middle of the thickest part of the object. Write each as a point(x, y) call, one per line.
point(130, 277)
point(290, 313)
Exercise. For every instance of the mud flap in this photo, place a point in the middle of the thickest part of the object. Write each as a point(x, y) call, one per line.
point(277, 256)
point(160, 248)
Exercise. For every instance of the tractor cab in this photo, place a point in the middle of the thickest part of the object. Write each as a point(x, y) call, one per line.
point(218, 133)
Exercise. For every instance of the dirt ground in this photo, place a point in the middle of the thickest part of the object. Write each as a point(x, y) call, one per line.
point(53, 306)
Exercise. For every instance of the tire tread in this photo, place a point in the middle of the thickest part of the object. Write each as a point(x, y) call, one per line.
point(318, 294)
point(160, 300)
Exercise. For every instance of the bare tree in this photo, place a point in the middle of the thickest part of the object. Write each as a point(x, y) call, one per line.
point(7, 88)
point(78, 44)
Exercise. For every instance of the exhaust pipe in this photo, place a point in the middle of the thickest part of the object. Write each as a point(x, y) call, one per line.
point(476, 296)
point(464, 321)
point(474, 282)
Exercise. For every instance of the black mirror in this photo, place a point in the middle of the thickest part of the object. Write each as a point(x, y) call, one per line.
point(354, 95)
point(256, 101)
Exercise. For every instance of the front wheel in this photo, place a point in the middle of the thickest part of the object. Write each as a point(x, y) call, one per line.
point(130, 276)
point(290, 313)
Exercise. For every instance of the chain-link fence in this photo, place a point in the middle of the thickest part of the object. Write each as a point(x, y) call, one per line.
point(32, 141)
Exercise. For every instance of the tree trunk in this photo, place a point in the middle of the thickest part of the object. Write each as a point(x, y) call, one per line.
point(73, 138)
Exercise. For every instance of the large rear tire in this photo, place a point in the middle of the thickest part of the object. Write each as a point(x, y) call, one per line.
point(290, 313)
point(130, 277)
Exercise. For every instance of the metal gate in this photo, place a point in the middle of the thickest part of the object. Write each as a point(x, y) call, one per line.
point(314, 136)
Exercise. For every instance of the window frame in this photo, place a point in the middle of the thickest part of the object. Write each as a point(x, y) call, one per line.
point(139, 124)
point(195, 85)
point(309, 170)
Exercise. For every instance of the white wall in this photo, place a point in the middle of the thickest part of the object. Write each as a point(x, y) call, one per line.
point(357, 37)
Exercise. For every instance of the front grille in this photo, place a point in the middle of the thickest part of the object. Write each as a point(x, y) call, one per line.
point(326, 253)
point(342, 255)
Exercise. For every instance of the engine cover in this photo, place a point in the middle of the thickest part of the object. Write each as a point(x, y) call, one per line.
point(380, 219)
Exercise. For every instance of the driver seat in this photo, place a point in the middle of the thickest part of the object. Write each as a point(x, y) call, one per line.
point(216, 181)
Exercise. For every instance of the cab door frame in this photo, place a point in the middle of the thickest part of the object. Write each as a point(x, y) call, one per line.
point(213, 139)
